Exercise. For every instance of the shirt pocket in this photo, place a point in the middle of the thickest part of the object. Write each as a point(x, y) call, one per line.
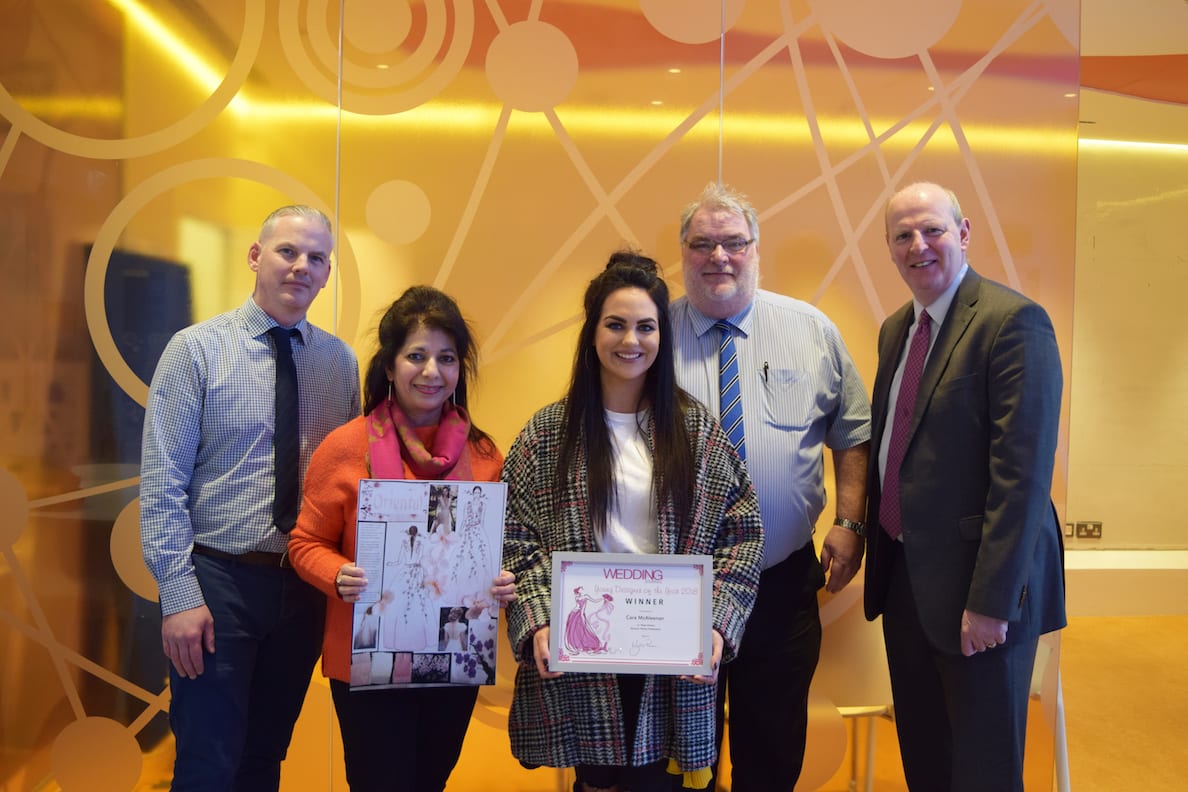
point(787, 398)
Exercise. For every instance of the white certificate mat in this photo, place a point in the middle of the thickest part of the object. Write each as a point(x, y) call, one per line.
point(430, 550)
point(631, 613)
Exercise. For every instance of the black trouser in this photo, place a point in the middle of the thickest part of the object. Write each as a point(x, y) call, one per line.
point(768, 682)
point(961, 720)
point(402, 739)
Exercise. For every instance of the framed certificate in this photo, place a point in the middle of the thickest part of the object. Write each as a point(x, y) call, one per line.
point(631, 613)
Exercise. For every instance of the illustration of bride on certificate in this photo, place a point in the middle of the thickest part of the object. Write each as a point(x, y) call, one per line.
point(428, 576)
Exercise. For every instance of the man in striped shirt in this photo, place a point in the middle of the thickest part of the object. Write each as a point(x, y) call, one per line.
point(241, 630)
point(800, 393)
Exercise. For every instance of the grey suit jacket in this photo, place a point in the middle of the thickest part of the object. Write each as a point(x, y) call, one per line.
point(980, 531)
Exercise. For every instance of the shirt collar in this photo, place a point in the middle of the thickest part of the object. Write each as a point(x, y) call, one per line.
point(258, 322)
point(742, 320)
point(939, 308)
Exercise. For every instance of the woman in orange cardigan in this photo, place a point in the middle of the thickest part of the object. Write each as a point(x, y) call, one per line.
point(415, 426)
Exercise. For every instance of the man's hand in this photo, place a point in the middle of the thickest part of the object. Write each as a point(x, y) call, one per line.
point(979, 633)
point(184, 635)
point(841, 556)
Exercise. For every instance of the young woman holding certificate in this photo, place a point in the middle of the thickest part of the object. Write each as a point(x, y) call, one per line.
point(627, 462)
point(415, 426)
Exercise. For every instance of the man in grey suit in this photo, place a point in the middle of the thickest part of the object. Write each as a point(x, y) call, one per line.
point(964, 554)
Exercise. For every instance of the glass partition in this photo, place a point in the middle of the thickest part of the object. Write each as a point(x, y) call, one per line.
point(499, 150)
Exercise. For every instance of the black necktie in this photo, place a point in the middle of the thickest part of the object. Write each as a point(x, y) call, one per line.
point(286, 436)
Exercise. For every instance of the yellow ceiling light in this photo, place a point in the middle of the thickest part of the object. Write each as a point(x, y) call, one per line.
point(90, 107)
point(175, 48)
point(1135, 146)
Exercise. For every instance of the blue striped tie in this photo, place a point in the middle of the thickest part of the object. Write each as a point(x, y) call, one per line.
point(730, 411)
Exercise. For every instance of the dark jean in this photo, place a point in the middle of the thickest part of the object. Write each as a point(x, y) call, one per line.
point(233, 723)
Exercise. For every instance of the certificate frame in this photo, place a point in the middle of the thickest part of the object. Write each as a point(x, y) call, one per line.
point(631, 613)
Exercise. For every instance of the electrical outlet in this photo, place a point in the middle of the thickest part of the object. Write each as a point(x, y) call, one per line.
point(1068, 530)
point(1089, 530)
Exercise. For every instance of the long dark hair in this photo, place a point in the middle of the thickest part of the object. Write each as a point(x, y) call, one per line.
point(423, 306)
point(585, 419)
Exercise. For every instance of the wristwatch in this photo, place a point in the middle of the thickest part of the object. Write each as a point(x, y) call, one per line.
point(853, 525)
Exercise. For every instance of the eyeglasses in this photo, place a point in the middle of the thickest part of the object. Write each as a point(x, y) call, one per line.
point(733, 245)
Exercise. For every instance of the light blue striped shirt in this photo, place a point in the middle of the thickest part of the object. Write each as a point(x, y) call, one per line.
point(206, 467)
point(800, 393)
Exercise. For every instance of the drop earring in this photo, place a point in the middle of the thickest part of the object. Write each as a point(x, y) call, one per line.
point(389, 391)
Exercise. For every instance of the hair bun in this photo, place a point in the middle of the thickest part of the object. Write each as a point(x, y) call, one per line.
point(632, 260)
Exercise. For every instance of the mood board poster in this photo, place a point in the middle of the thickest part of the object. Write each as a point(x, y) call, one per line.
point(430, 550)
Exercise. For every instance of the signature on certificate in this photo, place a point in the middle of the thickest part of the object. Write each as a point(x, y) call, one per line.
point(639, 644)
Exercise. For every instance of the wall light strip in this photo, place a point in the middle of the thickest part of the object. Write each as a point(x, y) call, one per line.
point(89, 107)
point(1144, 146)
point(479, 118)
point(175, 48)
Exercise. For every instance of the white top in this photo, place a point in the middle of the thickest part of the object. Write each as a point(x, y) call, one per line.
point(631, 525)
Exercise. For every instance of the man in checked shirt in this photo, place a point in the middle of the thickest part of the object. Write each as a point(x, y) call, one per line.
point(241, 630)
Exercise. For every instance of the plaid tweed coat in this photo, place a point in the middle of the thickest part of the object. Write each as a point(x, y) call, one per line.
point(578, 718)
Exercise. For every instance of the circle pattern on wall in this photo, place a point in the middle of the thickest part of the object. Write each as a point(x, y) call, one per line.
point(888, 29)
point(405, 82)
point(692, 21)
point(158, 183)
point(96, 755)
point(184, 129)
point(532, 66)
point(398, 212)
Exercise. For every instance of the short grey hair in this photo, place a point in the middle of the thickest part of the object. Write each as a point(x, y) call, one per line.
point(719, 197)
point(294, 210)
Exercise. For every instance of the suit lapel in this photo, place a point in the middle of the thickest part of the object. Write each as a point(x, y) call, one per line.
point(961, 313)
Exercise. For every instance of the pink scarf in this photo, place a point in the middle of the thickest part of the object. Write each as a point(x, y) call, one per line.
point(392, 442)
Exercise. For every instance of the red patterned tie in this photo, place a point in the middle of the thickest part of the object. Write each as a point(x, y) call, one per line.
point(905, 405)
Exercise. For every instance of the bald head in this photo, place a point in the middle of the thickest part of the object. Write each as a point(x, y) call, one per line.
point(925, 189)
point(927, 236)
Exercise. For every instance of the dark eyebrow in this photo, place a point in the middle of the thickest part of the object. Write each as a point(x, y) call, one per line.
point(617, 318)
point(425, 349)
